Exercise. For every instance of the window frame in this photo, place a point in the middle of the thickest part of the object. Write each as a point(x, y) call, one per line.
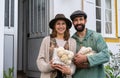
point(103, 7)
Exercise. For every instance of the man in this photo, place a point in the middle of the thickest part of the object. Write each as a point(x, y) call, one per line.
point(90, 66)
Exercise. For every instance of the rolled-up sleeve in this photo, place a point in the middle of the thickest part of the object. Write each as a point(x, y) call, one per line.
point(102, 56)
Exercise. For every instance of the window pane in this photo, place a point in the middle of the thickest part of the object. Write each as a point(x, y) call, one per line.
point(12, 13)
point(108, 15)
point(35, 15)
point(98, 2)
point(6, 13)
point(98, 26)
point(98, 13)
point(41, 15)
point(32, 16)
point(108, 28)
point(108, 4)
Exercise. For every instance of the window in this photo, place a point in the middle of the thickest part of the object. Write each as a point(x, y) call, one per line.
point(104, 18)
point(38, 18)
point(9, 13)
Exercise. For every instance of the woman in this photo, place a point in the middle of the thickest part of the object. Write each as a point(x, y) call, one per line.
point(60, 37)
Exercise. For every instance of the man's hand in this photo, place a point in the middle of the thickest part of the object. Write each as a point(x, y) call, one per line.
point(82, 65)
point(79, 60)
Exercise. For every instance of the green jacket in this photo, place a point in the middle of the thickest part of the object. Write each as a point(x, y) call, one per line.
point(96, 61)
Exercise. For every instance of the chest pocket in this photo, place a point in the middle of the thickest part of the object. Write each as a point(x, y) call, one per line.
point(92, 42)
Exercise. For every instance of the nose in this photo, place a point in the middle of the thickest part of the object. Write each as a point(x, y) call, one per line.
point(78, 21)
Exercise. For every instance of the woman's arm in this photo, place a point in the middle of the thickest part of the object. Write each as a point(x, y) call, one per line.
point(42, 63)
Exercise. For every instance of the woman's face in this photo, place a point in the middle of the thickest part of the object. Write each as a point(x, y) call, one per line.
point(60, 26)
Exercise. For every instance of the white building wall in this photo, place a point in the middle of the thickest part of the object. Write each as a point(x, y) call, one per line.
point(1, 36)
point(89, 8)
point(67, 7)
point(114, 47)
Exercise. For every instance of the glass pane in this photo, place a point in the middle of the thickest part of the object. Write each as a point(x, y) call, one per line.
point(108, 15)
point(108, 4)
point(32, 16)
point(39, 15)
point(98, 13)
point(38, 20)
point(43, 14)
point(98, 2)
point(108, 28)
point(6, 13)
point(98, 26)
point(35, 15)
point(12, 13)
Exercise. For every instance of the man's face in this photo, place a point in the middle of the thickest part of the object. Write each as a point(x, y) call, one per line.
point(79, 23)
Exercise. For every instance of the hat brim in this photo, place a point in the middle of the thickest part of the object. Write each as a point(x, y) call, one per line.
point(53, 21)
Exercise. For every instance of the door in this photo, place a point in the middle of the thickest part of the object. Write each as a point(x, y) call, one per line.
point(10, 35)
point(36, 15)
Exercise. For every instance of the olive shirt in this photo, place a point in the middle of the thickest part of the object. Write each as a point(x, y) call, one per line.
point(96, 61)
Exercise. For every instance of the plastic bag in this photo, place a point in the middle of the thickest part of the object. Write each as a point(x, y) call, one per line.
point(62, 56)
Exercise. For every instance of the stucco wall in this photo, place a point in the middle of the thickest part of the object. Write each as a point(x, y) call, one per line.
point(66, 7)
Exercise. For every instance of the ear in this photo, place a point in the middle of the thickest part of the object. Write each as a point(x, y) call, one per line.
point(72, 22)
point(85, 20)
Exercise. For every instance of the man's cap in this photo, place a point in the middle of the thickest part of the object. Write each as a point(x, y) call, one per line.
point(77, 14)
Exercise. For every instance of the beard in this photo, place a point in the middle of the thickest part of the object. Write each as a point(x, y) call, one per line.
point(79, 27)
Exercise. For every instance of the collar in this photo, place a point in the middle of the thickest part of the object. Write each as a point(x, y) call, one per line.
point(88, 33)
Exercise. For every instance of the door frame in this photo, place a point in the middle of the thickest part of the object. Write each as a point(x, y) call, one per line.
point(15, 36)
point(13, 31)
point(1, 36)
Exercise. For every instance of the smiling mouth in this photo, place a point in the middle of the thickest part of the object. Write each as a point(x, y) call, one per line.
point(79, 27)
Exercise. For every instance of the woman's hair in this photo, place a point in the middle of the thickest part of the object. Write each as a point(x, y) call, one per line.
point(66, 33)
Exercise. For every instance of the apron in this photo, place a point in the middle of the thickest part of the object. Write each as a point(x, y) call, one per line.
point(53, 44)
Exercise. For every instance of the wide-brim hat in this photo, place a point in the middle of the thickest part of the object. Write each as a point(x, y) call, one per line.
point(60, 17)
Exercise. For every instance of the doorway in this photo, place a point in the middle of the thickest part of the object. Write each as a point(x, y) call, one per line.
point(33, 27)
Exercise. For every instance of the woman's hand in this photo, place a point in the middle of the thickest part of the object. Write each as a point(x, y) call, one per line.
point(52, 65)
point(64, 69)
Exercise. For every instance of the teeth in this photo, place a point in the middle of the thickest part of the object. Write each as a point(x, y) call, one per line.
point(60, 29)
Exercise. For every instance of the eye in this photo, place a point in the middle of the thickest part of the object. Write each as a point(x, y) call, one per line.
point(63, 23)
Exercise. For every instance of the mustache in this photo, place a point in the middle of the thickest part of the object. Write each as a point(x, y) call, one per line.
point(79, 24)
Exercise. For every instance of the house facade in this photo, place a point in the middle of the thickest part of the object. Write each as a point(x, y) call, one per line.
point(24, 23)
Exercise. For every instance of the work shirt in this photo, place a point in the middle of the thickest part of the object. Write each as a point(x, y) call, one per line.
point(96, 61)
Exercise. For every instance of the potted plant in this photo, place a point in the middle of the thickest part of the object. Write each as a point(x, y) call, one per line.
point(8, 74)
point(112, 68)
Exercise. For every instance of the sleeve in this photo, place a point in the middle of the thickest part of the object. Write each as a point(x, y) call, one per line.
point(102, 56)
point(42, 65)
point(72, 44)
